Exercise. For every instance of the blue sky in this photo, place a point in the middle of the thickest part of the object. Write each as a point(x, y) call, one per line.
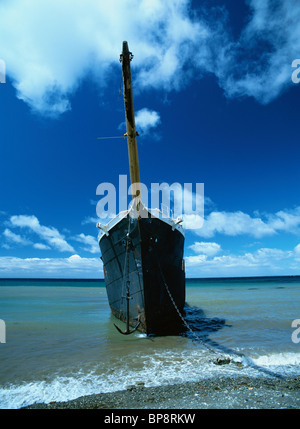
point(215, 104)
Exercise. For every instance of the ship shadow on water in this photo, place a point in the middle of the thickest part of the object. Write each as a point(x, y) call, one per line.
point(202, 327)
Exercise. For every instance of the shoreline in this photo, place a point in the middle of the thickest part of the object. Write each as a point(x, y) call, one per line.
point(240, 392)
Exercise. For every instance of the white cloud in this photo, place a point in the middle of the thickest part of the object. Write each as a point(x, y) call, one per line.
point(206, 248)
point(41, 246)
point(90, 242)
point(297, 251)
point(15, 238)
point(264, 261)
point(238, 223)
point(74, 258)
point(50, 234)
point(90, 219)
point(259, 63)
point(146, 119)
point(285, 220)
point(212, 261)
point(234, 223)
point(72, 267)
point(50, 46)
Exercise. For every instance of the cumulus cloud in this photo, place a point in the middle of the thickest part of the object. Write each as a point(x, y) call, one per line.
point(15, 238)
point(206, 248)
point(90, 243)
point(146, 119)
point(264, 261)
point(90, 219)
point(234, 223)
point(72, 267)
point(50, 46)
point(238, 223)
point(41, 246)
point(48, 233)
point(209, 259)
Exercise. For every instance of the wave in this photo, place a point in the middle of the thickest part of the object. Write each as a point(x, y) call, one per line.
point(159, 369)
point(278, 360)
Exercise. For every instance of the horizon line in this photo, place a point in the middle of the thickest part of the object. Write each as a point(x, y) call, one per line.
point(188, 278)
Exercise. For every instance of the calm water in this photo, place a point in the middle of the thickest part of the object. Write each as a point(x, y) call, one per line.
point(61, 342)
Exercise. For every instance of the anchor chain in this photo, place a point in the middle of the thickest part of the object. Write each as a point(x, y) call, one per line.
point(181, 317)
point(223, 359)
point(220, 360)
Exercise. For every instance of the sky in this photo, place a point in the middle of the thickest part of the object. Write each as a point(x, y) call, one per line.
point(216, 96)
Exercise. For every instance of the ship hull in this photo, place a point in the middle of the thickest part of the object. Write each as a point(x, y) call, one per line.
point(145, 256)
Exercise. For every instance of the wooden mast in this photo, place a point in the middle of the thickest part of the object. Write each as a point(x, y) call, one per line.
point(131, 133)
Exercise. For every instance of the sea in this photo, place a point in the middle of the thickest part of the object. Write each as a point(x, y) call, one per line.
point(58, 340)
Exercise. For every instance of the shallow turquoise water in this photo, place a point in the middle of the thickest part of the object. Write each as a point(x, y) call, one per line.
point(61, 342)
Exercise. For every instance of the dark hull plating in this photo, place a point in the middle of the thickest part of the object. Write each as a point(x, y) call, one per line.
point(154, 259)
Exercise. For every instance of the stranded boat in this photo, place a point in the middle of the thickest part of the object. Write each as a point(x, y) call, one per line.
point(142, 250)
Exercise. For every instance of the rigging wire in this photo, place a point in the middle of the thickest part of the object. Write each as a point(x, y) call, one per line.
point(114, 137)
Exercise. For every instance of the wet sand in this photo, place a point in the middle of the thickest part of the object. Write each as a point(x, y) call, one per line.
point(215, 393)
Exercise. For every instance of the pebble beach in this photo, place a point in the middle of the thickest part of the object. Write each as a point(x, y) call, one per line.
point(214, 393)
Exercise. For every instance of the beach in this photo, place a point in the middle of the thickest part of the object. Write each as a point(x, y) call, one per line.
point(214, 393)
point(62, 349)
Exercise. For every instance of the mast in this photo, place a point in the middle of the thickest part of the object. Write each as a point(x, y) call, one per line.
point(131, 133)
